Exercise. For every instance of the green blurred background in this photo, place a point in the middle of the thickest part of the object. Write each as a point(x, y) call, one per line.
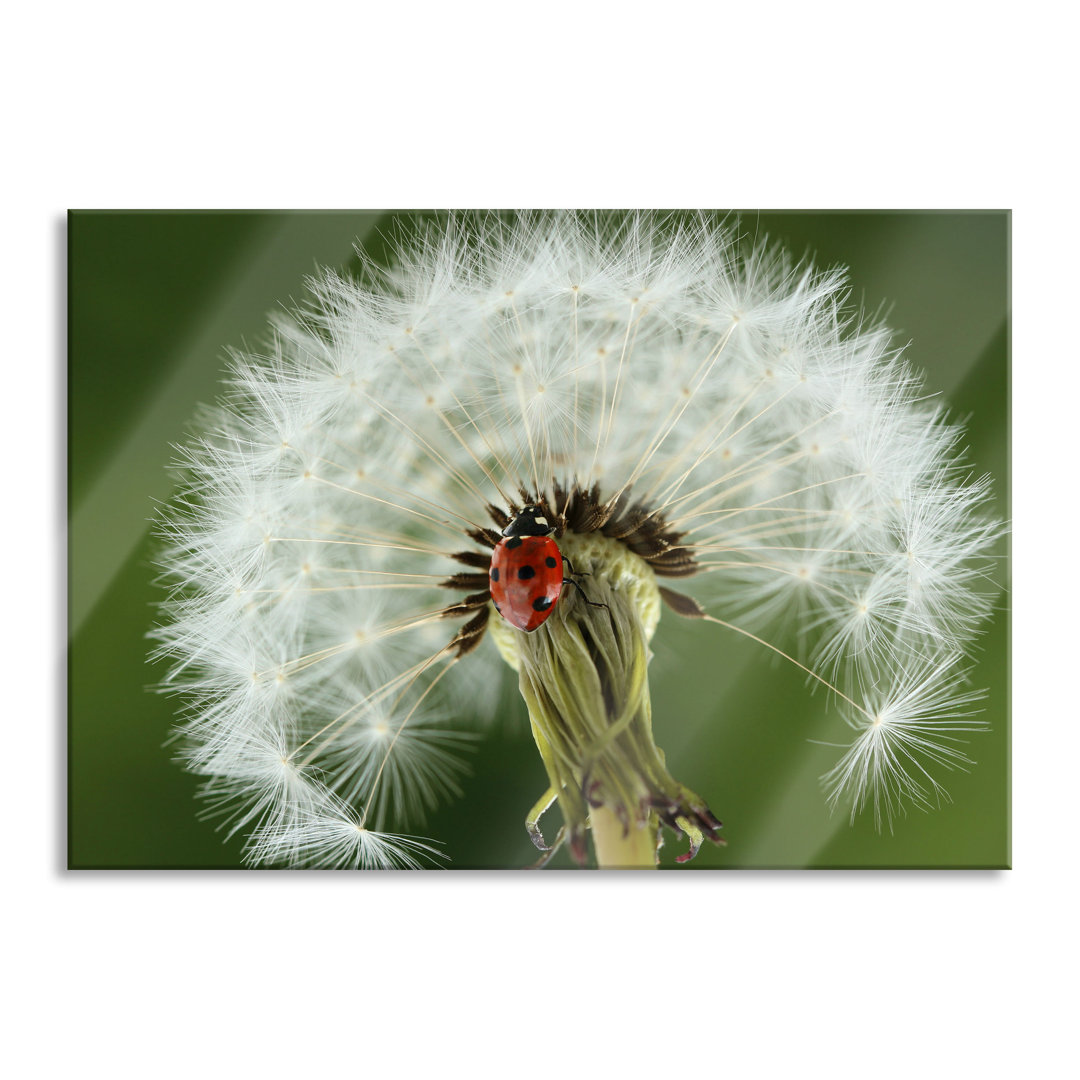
point(153, 300)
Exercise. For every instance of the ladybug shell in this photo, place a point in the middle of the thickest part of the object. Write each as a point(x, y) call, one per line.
point(526, 578)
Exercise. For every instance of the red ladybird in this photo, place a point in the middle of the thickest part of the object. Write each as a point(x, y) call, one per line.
point(526, 574)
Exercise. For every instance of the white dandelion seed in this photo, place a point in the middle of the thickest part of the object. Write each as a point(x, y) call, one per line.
point(679, 406)
point(918, 722)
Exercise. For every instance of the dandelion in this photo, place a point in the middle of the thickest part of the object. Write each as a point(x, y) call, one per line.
point(696, 426)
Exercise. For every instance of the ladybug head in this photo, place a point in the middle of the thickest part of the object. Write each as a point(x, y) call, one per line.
point(532, 521)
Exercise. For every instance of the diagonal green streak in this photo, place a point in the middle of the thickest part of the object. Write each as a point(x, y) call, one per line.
point(113, 515)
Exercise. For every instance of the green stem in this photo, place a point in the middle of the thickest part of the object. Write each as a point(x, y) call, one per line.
point(615, 851)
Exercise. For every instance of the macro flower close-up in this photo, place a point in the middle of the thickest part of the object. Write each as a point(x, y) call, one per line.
point(490, 490)
point(520, 456)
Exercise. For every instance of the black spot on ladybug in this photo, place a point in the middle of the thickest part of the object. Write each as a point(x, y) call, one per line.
point(541, 603)
point(514, 542)
point(526, 572)
point(494, 573)
point(550, 560)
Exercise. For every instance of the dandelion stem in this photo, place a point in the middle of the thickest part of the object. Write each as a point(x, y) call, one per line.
point(617, 848)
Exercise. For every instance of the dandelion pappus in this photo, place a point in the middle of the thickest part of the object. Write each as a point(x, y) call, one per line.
point(526, 575)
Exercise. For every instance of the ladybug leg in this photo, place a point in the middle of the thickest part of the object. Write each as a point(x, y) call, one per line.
point(571, 581)
point(583, 573)
point(584, 595)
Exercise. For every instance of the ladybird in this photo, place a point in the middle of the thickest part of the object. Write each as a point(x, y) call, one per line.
point(526, 575)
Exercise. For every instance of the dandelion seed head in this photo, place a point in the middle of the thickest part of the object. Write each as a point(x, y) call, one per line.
point(745, 432)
